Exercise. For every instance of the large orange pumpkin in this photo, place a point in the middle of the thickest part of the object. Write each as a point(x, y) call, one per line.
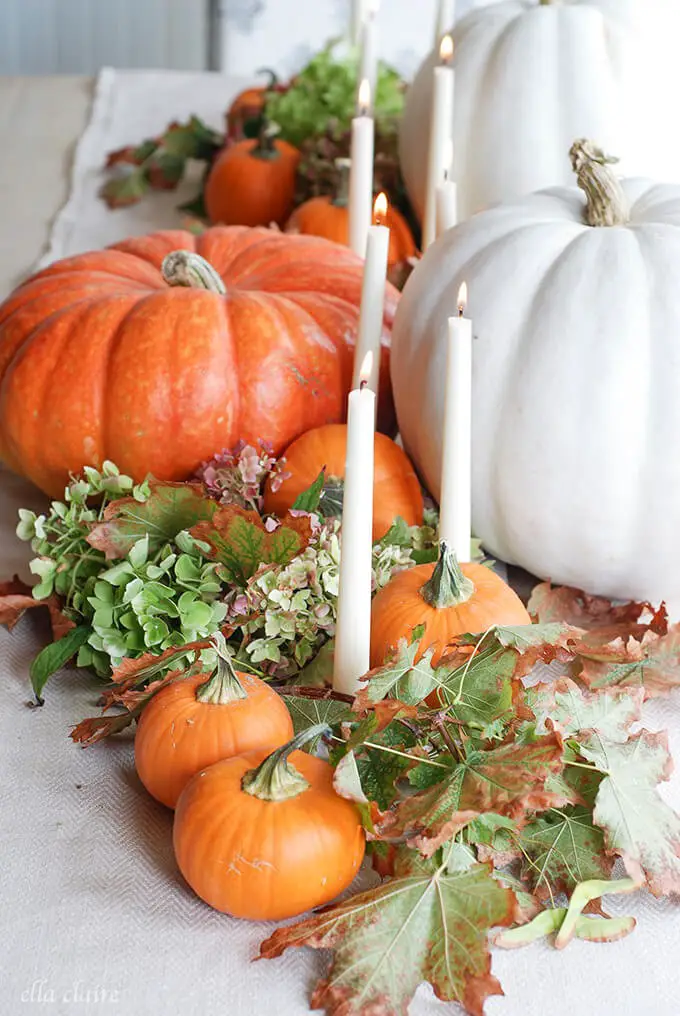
point(252, 182)
point(396, 489)
point(267, 838)
point(447, 598)
point(195, 721)
point(102, 356)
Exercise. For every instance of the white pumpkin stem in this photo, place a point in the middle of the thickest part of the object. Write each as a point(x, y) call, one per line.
point(448, 586)
point(223, 687)
point(607, 204)
point(275, 779)
point(185, 268)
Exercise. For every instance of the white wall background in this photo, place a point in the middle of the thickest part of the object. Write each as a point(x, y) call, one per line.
point(80, 36)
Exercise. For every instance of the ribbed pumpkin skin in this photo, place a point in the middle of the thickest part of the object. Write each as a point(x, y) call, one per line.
point(178, 735)
point(396, 489)
point(101, 359)
point(398, 608)
point(246, 189)
point(322, 217)
point(261, 860)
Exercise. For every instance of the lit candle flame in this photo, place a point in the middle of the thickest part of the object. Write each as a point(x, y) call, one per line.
point(364, 97)
point(462, 299)
point(366, 368)
point(446, 50)
point(380, 209)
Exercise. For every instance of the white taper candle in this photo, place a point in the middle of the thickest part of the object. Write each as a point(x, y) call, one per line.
point(455, 501)
point(361, 172)
point(441, 129)
point(373, 297)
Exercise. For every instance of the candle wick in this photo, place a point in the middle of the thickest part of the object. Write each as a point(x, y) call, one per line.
point(362, 384)
point(461, 310)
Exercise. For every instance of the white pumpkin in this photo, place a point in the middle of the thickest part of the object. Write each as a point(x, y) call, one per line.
point(532, 75)
point(576, 391)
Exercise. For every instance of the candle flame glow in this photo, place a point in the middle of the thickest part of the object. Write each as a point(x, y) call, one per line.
point(364, 97)
point(366, 368)
point(380, 209)
point(446, 50)
point(462, 298)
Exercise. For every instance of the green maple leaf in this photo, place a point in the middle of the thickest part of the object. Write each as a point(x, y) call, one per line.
point(379, 767)
point(402, 677)
point(571, 709)
point(530, 643)
point(638, 824)
point(479, 691)
point(563, 848)
point(652, 663)
point(430, 926)
point(169, 509)
point(241, 541)
point(509, 781)
point(126, 189)
point(307, 712)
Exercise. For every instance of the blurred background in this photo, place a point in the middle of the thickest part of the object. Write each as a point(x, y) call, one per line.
point(236, 36)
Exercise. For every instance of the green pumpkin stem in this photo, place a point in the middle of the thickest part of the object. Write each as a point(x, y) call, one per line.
point(343, 166)
point(223, 686)
point(185, 268)
point(275, 779)
point(266, 140)
point(448, 585)
point(606, 202)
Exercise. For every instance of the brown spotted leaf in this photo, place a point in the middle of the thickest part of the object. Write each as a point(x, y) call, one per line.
point(430, 926)
point(549, 604)
point(96, 728)
point(562, 848)
point(653, 663)
point(16, 599)
point(565, 707)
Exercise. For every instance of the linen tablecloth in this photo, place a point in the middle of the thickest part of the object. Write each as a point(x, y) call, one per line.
point(95, 917)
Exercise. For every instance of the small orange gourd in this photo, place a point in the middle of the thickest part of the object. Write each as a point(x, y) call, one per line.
point(194, 722)
point(447, 598)
point(266, 837)
point(396, 489)
point(252, 182)
point(329, 217)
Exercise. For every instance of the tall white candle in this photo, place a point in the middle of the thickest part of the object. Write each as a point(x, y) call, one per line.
point(361, 172)
point(373, 297)
point(360, 9)
point(455, 501)
point(447, 205)
point(441, 130)
point(446, 18)
point(368, 61)
point(353, 625)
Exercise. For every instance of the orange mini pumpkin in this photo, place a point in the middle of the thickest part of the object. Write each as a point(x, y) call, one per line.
point(157, 362)
point(252, 182)
point(396, 490)
point(267, 837)
point(248, 106)
point(447, 598)
point(194, 722)
point(329, 217)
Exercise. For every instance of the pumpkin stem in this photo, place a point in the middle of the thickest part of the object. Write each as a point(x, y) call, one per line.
point(185, 268)
point(448, 586)
point(275, 779)
point(266, 140)
point(343, 167)
point(607, 204)
point(223, 686)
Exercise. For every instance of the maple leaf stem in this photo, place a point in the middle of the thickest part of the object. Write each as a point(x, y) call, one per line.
point(583, 765)
point(394, 751)
point(445, 733)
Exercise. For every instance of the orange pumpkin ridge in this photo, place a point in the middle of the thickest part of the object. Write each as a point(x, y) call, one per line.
point(194, 722)
point(396, 489)
point(447, 598)
point(266, 837)
point(100, 358)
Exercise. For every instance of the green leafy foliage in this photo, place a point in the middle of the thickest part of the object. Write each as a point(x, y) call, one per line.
point(310, 499)
point(54, 656)
point(562, 848)
point(306, 711)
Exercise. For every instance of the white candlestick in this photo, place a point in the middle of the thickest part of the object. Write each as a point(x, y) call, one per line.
point(360, 9)
point(446, 19)
point(361, 173)
point(368, 62)
point(372, 301)
point(353, 626)
point(455, 501)
point(447, 206)
point(441, 129)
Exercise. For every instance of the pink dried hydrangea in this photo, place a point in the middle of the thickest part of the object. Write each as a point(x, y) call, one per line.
point(238, 475)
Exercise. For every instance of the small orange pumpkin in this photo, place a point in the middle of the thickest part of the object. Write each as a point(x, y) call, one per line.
point(267, 837)
point(329, 217)
point(252, 182)
point(194, 722)
point(447, 598)
point(249, 105)
point(396, 490)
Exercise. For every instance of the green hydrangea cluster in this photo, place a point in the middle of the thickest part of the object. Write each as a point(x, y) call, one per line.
point(144, 601)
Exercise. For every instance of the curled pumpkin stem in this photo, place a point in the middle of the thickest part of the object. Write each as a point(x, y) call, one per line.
point(188, 269)
point(223, 686)
point(276, 779)
point(606, 202)
point(448, 586)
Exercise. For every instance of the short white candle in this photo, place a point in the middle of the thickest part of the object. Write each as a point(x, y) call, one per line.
point(368, 61)
point(361, 172)
point(455, 501)
point(441, 128)
point(373, 297)
point(360, 9)
point(446, 19)
point(353, 625)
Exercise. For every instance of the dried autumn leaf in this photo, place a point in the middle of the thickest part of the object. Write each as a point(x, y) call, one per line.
point(652, 663)
point(425, 927)
point(96, 728)
point(565, 707)
point(549, 604)
point(638, 824)
point(16, 598)
point(544, 643)
point(241, 541)
point(165, 170)
point(125, 189)
point(169, 509)
point(131, 672)
point(561, 849)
